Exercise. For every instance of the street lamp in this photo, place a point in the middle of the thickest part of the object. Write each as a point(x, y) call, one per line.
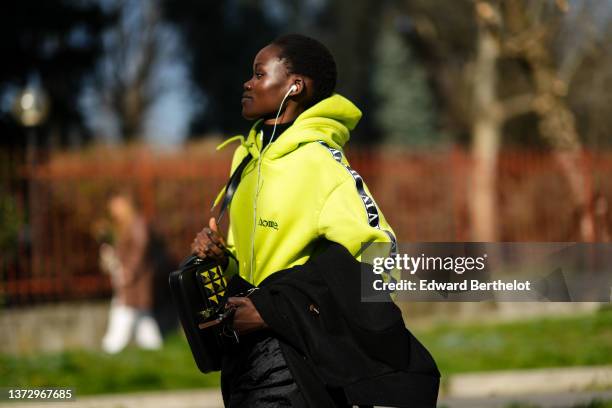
point(31, 108)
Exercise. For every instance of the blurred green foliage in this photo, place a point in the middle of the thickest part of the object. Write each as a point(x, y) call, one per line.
point(94, 372)
point(549, 342)
point(545, 342)
point(405, 110)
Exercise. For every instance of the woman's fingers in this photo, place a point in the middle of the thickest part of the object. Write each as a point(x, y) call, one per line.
point(216, 239)
point(197, 249)
point(237, 301)
point(201, 245)
point(246, 318)
point(214, 232)
point(208, 243)
point(212, 223)
point(215, 251)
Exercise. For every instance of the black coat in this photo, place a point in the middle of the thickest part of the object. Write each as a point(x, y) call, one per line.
point(335, 343)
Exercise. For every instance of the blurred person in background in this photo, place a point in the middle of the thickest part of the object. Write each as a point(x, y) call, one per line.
point(132, 273)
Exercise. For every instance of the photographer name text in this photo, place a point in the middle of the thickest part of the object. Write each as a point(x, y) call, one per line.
point(461, 286)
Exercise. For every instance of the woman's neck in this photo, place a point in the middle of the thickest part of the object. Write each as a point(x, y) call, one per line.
point(289, 114)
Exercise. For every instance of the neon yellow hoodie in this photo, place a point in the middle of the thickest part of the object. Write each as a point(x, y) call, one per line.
point(305, 194)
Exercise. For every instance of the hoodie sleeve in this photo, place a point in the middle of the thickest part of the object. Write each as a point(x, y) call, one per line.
point(344, 219)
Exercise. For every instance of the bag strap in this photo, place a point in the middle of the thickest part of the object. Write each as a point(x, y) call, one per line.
point(230, 189)
point(232, 185)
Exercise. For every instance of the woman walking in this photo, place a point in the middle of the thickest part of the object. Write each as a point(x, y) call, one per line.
point(297, 194)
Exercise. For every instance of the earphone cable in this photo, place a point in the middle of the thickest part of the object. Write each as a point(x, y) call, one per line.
point(258, 187)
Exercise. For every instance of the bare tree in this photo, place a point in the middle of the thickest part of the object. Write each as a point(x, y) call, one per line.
point(533, 30)
point(525, 33)
point(133, 47)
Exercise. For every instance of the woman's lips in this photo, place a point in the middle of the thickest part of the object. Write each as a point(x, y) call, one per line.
point(246, 99)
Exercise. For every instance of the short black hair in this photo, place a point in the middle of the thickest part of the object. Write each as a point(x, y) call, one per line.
point(307, 56)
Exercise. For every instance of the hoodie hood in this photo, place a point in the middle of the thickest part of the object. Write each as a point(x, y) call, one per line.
point(330, 121)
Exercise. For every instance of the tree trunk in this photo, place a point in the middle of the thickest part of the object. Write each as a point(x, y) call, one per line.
point(486, 134)
point(558, 126)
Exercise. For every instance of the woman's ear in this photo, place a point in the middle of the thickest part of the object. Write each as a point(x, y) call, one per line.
point(297, 87)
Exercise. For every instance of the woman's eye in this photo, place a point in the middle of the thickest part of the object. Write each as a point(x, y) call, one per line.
point(258, 75)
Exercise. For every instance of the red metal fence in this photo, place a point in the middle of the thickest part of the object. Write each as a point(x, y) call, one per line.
point(49, 251)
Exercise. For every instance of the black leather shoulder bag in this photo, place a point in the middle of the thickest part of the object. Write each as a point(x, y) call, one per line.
point(200, 289)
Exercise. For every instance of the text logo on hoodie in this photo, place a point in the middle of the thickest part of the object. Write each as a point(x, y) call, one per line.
point(268, 224)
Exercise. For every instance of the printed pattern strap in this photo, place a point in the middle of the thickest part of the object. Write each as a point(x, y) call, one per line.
point(368, 202)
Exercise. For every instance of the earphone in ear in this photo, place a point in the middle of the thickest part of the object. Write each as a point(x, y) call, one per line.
point(293, 88)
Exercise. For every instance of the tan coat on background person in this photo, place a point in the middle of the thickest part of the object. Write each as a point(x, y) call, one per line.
point(135, 281)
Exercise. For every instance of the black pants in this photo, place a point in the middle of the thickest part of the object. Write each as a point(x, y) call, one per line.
point(255, 374)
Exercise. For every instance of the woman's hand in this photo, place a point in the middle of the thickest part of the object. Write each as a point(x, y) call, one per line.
point(246, 319)
point(210, 244)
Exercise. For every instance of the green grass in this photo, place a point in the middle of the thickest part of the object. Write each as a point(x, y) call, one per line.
point(551, 342)
point(94, 372)
point(595, 404)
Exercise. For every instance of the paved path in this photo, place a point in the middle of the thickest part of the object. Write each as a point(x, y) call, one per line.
point(556, 400)
point(162, 399)
point(527, 382)
point(212, 399)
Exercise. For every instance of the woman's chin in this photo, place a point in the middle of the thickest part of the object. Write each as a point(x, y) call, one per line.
point(248, 115)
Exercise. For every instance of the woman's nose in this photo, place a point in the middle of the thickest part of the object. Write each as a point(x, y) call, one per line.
point(247, 85)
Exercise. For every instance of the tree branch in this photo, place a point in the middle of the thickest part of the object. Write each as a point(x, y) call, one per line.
point(515, 106)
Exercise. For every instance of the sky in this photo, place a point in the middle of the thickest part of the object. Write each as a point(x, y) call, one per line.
point(167, 120)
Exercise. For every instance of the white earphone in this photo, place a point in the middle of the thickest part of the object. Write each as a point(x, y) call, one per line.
point(293, 88)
